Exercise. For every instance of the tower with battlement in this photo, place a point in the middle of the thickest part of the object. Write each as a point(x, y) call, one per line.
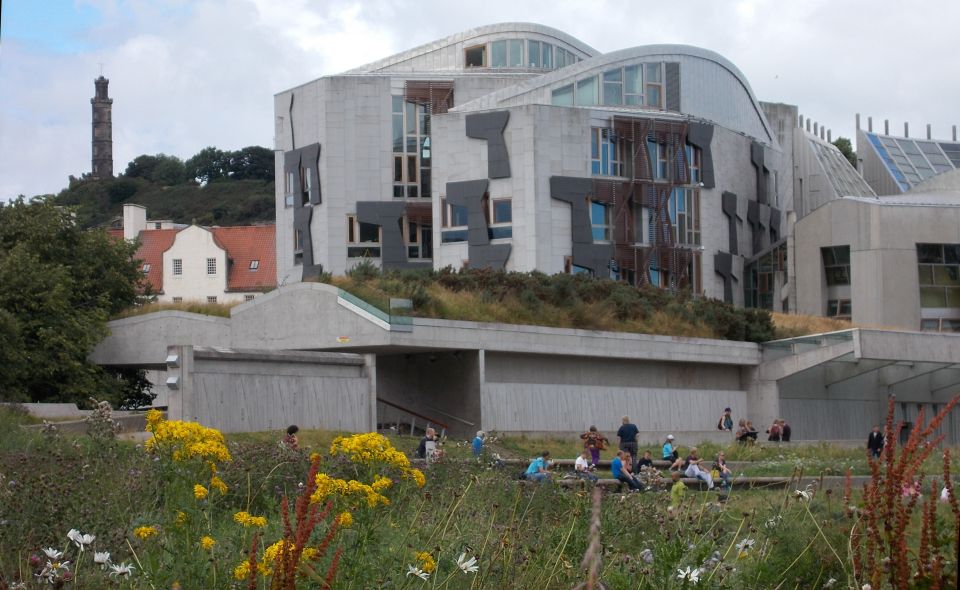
point(102, 130)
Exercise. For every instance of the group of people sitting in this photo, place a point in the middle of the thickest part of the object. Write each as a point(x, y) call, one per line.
point(779, 431)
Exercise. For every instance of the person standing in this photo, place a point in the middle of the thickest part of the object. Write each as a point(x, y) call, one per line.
point(875, 442)
point(477, 444)
point(628, 437)
point(726, 420)
point(774, 431)
point(594, 442)
point(785, 431)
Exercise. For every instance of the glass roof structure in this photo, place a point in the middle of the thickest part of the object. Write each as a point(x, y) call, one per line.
point(844, 177)
point(911, 161)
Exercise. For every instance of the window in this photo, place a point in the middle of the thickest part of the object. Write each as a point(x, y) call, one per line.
point(297, 246)
point(248, 297)
point(498, 54)
point(605, 153)
point(836, 264)
point(366, 236)
point(658, 158)
point(306, 184)
point(613, 87)
point(177, 266)
point(588, 92)
point(642, 225)
point(839, 308)
point(475, 57)
point(211, 266)
point(516, 53)
point(178, 299)
point(563, 97)
point(600, 221)
point(939, 275)
point(254, 265)
point(499, 213)
point(633, 85)
point(693, 161)
point(547, 56)
point(157, 225)
point(419, 240)
point(684, 206)
point(533, 53)
point(411, 149)
point(211, 299)
point(146, 268)
point(453, 215)
point(654, 79)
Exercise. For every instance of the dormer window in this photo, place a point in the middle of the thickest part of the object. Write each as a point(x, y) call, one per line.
point(146, 268)
point(254, 265)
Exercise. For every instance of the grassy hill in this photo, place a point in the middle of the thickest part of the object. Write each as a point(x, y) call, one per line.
point(221, 202)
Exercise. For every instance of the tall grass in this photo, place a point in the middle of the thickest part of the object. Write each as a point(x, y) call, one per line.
point(190, 306)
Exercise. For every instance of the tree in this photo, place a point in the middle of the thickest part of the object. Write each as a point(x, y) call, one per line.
point(161, 169)
point(846, 148)
point(58, 286)
point(208, 165)
point(252, 163)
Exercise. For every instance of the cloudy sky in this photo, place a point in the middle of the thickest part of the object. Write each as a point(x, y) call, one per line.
point(186, 74)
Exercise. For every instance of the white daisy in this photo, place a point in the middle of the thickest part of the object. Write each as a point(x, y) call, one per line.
point(415, 571)
point(467, 566)
point(53, 553)
point(122, 569)
point(691, 575)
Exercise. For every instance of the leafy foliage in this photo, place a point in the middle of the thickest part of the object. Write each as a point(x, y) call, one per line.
point(846, 148)
point(58, 286)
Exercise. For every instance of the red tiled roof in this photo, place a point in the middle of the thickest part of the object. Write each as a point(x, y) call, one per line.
point(115, 232)
point(246, 243)
point(153, 243)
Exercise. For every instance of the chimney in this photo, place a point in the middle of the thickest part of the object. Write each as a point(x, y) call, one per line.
point(886, 126)
point(801, 121)
point(816, 128)
point(134, 221)
point(954, 133)
point(830, 135)
point(808, 125)
point(858, 121)
point(928, 131)
point(870, 124)
point(906, 129)
point(822, 132)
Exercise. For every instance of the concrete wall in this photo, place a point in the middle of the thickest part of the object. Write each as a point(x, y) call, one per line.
point(142, 340)
point(249, 391)
point(536, 394)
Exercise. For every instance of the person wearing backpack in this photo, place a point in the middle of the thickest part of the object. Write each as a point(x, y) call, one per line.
point(594, 442)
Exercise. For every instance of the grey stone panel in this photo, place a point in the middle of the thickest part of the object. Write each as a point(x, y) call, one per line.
point(701, 135)
point(672, 101)
point(758, 158)
point(482, 253)
point(574, 190)
point(389, 216)
point(490, 126)
point(729, 205)
point(775, 217)
point(302, 214)
point(753, 218)
point(723, 266)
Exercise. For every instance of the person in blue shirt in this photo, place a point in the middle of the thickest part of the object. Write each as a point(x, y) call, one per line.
point(477, 444)
point(537, 471)
point(619, 471)
point(628, 437)
point(671, 454)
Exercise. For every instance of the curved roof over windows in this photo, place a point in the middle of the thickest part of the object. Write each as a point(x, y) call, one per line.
point(710, 87)
point(447, 54)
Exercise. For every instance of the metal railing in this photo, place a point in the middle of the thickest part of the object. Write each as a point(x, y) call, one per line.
point(429, 422)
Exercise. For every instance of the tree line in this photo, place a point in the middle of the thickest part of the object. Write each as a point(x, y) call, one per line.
point(209, 165)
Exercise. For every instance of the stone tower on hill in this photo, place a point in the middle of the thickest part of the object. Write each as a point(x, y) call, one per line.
point(102, 130)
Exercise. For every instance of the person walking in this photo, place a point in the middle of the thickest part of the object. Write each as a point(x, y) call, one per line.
point(726, 420)
point(628, 437)
point(594, 442)
point(875, 442)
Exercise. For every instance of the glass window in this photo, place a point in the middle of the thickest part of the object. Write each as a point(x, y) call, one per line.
point(613, 87)
point(632, 86)
point(475, 57)
point(369, 232)
point(248, 297)
point(588, 92)
point(498, 54)
point(600, 221)
point(533, 53)
point(654, 85)
point(178, 299)
point(562, 57)
point(502, 210)
point(932, 297)
point(211, 266)
point(516, 53)
point(684, 206)
point(605, 153)
point(211, 299)
point(930, 253)
point(653, 73)
point(254, 265)
point(836, 264)
point(146, 268)
point(547, 56)
point(563, 97)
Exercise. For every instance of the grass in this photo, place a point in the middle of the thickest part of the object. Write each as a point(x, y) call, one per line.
point(201, 307)
point(521, 535)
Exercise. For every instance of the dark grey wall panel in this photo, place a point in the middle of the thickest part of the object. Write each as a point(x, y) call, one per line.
point(758, 158)
point(672, 101)
point(306, 157)
point(389, 216)
point(482, 253)
point(701, 135)
point(723, 266)
point(490, 126)
point(574, 190)
point(729, 205)
point(774, 225)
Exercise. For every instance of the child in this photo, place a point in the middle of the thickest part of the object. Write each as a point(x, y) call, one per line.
point(290, 440)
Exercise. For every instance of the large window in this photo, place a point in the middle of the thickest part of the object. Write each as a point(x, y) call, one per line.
point(363, 239)
point(588, 92)
point(211, 266)
point(411, 149)
point(606, 158)
point(657, 152)
point(684, 208)
point(600, 221)
point(419, 240)
point(453, 222)
point(654, 79)
point(178, 266)
point(693, 161)
point(475, 57)
point(836, 264)
point(499, 214)
point(939, 270)
point(633, 85)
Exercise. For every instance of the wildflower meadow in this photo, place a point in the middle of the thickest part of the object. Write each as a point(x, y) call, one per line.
point(192, 508)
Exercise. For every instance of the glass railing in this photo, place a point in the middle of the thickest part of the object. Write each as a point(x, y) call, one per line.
point(399, 323)
point(788, 346)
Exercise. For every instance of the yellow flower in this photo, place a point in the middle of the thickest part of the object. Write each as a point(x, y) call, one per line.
point(145, 532)
point(346, 519)
point(200, 492)
point(242, 571)
point(218, 484)
point(207, 543)
point(314, 457)
point(427, 563)
point(417, 477)
point(181, 518)
point(185, 440)
point(248, 520)
point(153, 418)
point(381, 483)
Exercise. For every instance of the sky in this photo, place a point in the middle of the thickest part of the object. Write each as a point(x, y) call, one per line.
point(187, 74)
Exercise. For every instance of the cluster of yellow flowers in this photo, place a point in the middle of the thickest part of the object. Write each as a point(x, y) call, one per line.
point(207, 542)
point(145, 532)
point(248, 520)
point(372, 448)
point(200, 492)
point(265, 566)
point(346, 520)
point(185, 440)
point(427, 563)
point(351, 490)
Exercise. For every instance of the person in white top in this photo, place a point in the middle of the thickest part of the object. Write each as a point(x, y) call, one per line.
point(584, 467)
